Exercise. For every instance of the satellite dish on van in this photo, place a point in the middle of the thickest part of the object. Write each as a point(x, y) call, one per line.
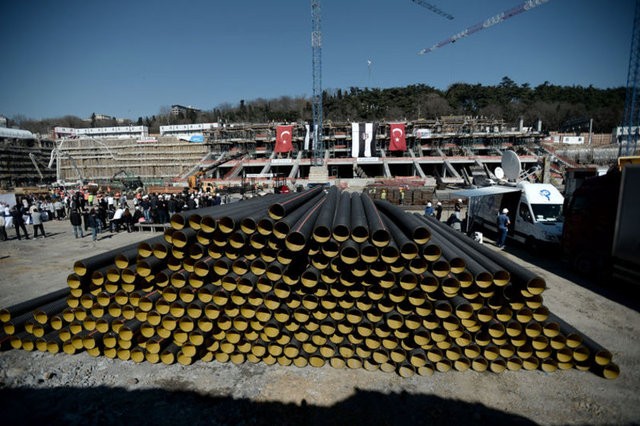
point(511, 165)
point(499, 172)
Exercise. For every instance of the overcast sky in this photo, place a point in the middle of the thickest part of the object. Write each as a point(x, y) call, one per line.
point(132, 58)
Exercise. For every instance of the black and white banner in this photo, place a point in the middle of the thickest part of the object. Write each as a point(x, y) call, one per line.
point(306, 138)
point(309, 137)
point(363, 136)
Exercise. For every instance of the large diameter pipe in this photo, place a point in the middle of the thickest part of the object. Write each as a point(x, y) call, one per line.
point(85, 266)
point(349, 252)
point(17, 323)
point(181, 239)
point(281, 209)
point(597, 354)
point(21, 308)
point(145, 248)
point(226, 218)
point(323, 225)
point(180, 220)
point(378, 232)
point(501, 277)
point(340, 229)
point(449, 253)
point(284, 225)
point(149, 266)
point(408, 223)
point(195, 217)
point(523, 278)
point(42, 313)
point(231, 221)
point(369, 253)
point(297, 239)
point(125, 258)
point(408, 248)
point(482, 277)
point(359, 224)
point(75, 282)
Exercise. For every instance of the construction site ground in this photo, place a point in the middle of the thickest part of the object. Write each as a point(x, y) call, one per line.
point(80, 389)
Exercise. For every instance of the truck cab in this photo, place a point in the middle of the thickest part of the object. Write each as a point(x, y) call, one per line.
point(538, 218)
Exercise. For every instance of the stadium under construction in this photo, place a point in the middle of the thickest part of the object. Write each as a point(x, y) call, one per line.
point(436, 153)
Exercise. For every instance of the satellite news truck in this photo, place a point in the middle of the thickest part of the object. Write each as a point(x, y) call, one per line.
point(535, 211)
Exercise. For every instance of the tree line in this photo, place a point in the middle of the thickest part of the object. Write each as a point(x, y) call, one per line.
point(556, 107)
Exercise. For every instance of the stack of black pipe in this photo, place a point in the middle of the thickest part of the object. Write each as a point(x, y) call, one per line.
point(311, 278)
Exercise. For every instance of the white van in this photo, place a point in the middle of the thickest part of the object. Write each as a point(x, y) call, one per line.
point(535, 210)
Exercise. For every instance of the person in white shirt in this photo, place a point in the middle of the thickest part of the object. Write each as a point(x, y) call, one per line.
point(116, 220)
point(8, 219)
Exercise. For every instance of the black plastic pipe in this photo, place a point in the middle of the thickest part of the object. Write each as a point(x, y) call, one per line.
point(180, 239)
point(6, 314)
point(145, 248)
point(196, 250)
point(24, 307)
point(17, 323)
point(302, 230)
point(280, 209)
point(74, 281)
point(233, 220)
point(368, 252)
point(359, 224)
point(341, 229)
point(180, 220)
point(324, 221)
point(42, 313)
point(523, 278)
point(481, 275)
point(378, 232)
point(598, 355)
point(408, 223)
point(86, 266)
point(408, 248)
point(151, 265)
point(501, 277)
point(349, 252)
point(284, 225)
point(126, 258)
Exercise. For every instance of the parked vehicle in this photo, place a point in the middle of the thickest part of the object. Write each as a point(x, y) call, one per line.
point(602, 231)
point(535, 211)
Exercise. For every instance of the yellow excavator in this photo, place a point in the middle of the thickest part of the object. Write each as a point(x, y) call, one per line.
point(194, 179)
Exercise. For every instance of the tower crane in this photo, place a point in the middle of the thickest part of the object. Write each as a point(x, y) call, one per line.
point(433, 8)
point(631, 118)
point(494, 20)
point(316, 53)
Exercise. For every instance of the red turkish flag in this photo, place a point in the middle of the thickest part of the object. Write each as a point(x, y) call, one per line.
point(397, 137)
point(283, 139)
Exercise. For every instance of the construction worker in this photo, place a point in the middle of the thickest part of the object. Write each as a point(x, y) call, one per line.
point(503, 227)
point(429, 211)
point(438, 210)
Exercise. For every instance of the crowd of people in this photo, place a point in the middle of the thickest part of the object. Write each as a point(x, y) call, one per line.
point(113, 212)
point(97, 213)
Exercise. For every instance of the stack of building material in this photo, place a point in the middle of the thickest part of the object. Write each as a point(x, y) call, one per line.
point(311, 278)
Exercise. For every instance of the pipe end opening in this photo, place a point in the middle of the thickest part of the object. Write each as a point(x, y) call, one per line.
point(380, 238)
point(536, 285)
